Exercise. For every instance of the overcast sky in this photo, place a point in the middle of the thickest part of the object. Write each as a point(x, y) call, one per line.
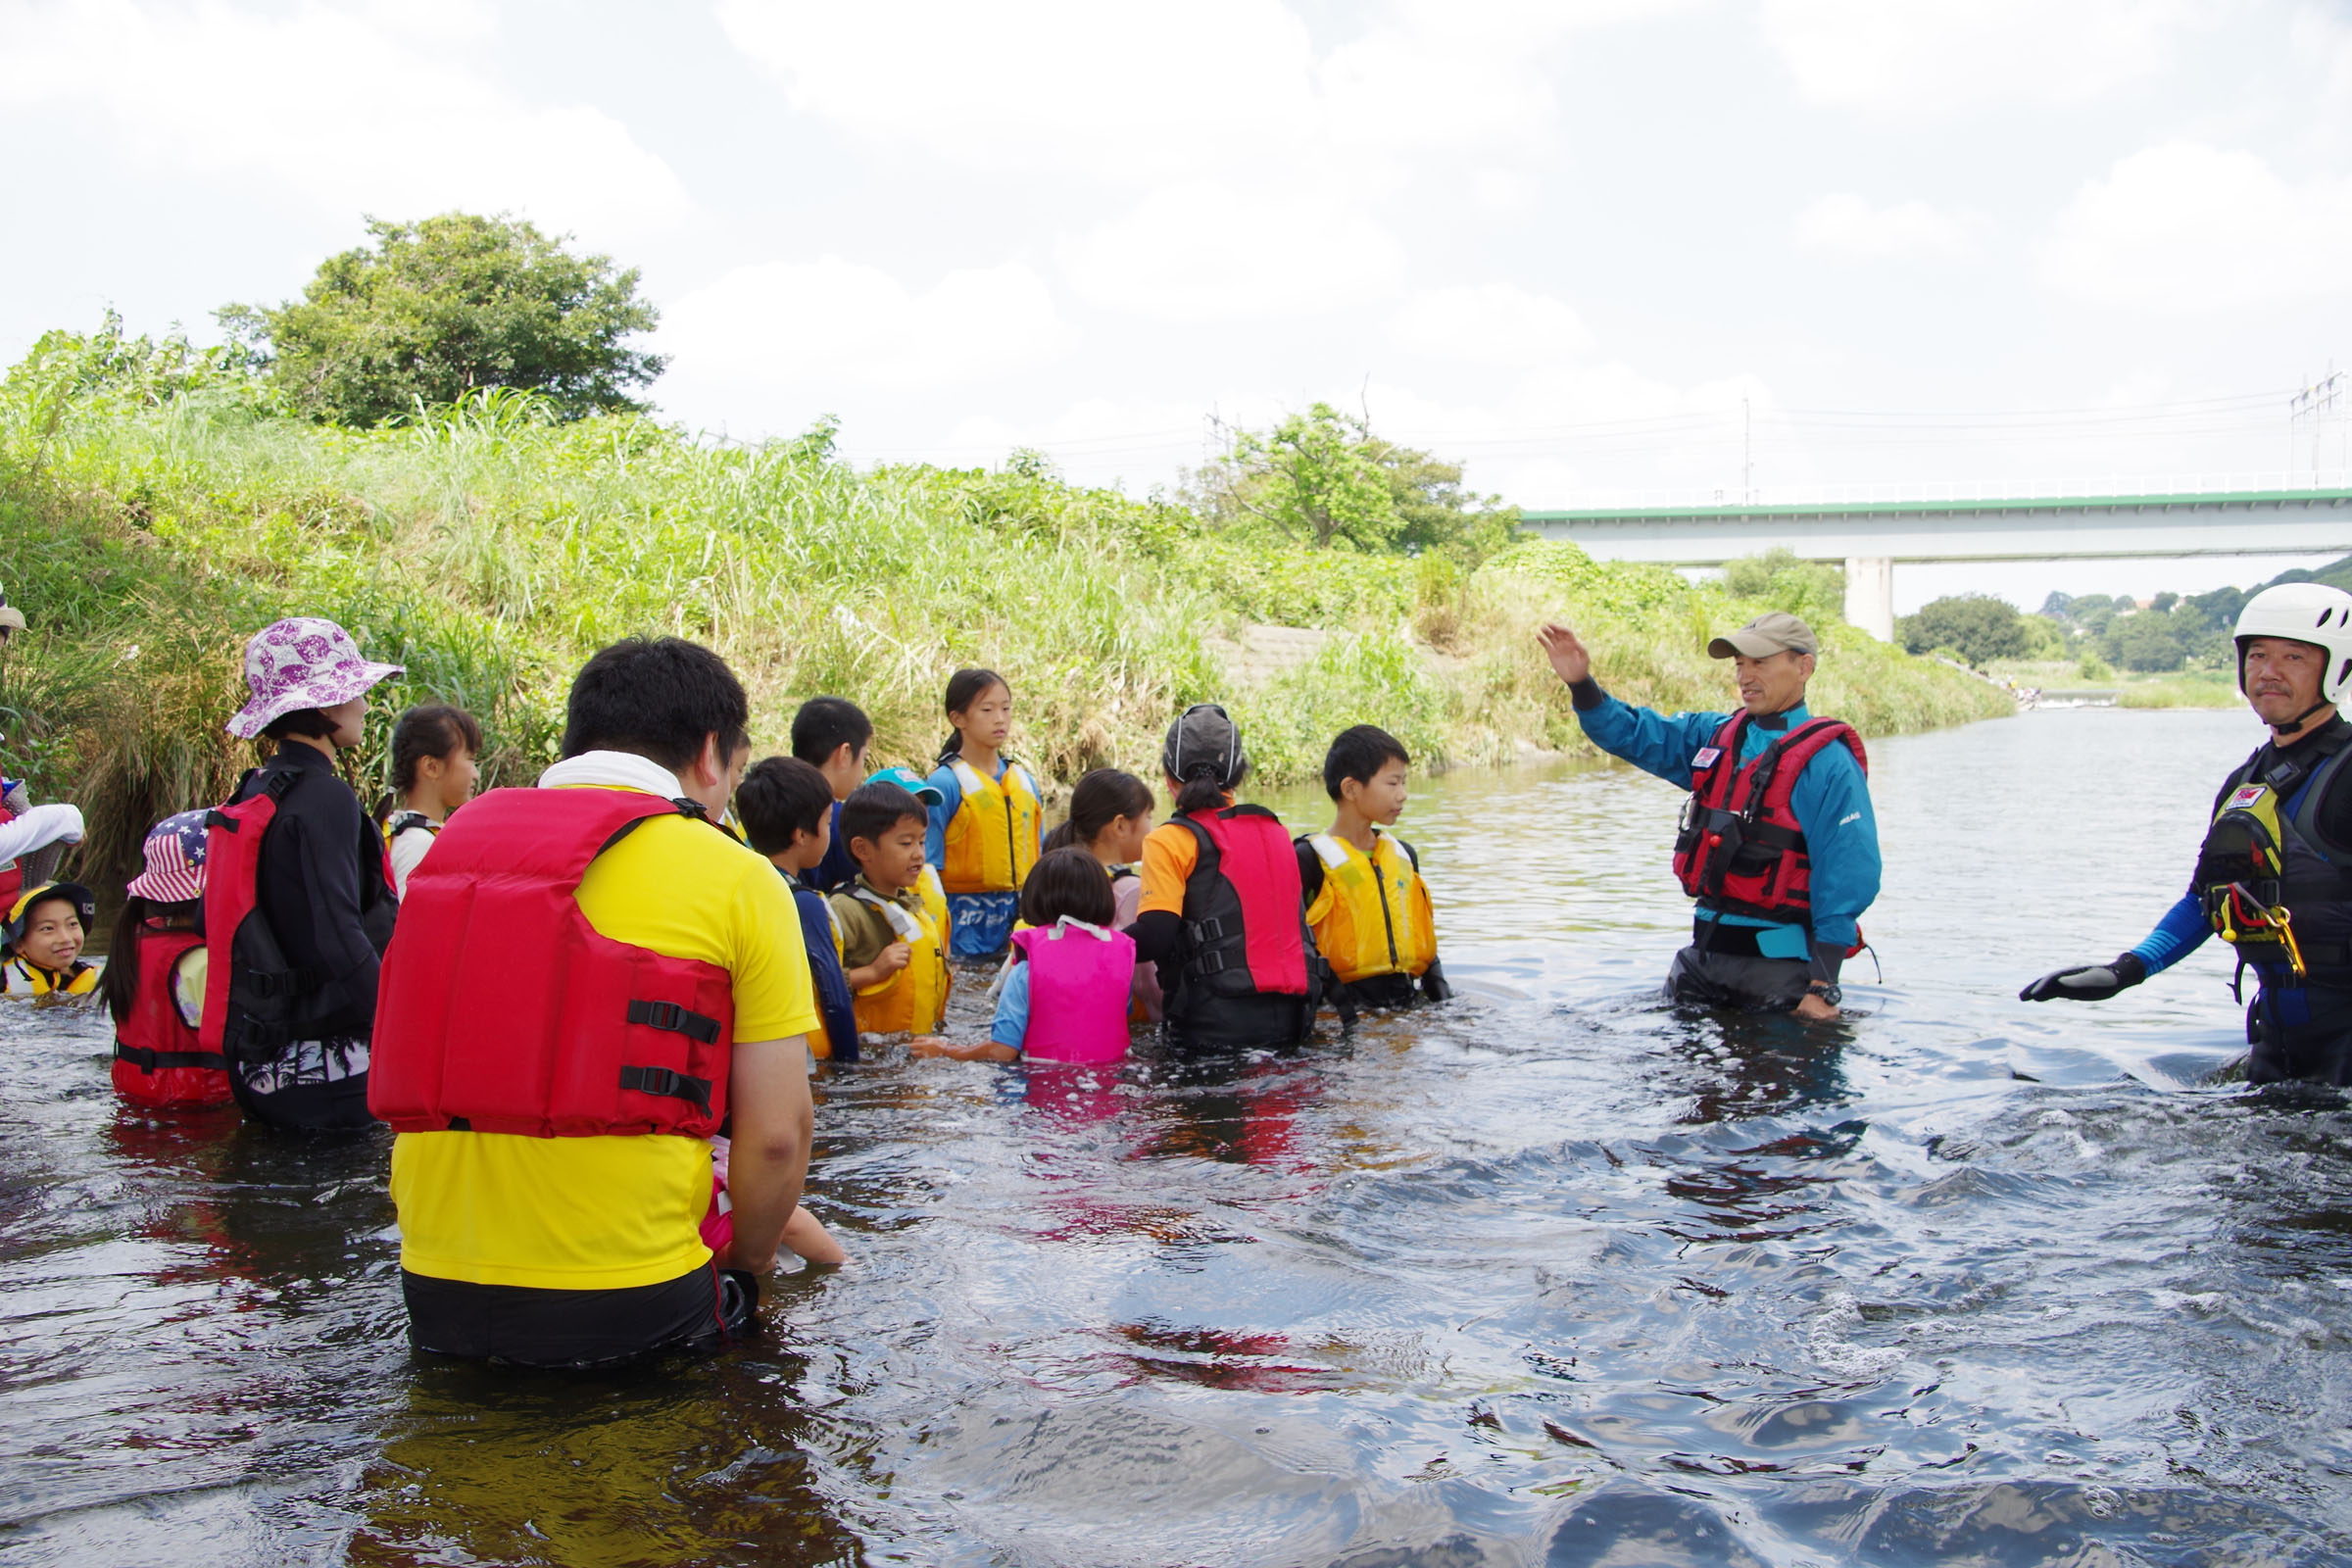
point(1585, 246)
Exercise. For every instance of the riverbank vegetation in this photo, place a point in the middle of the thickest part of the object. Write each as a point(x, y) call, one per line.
point(159, 502)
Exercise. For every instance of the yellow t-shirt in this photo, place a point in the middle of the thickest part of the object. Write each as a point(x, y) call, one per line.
point(608, 1213)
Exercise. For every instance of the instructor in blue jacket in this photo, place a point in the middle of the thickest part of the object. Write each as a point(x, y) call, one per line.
point(1777, 844)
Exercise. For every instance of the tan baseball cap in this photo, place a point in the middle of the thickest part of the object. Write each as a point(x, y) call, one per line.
point(11, 617)
point(1776, 631)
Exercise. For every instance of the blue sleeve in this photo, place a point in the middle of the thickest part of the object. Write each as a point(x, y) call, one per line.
point(1650, 741)
point(1832, 802)
point(951, 801)
point(2182, 932)
point(1010, 1026)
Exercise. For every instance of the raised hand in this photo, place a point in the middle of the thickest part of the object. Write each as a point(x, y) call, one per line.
point(1569, 659)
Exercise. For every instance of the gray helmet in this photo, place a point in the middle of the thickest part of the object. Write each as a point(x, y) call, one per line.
point(1204, 742)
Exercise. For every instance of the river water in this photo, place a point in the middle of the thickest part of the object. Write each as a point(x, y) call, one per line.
point(1554, 1275)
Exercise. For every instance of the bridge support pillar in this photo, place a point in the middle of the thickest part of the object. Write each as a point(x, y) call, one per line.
point(1870, 595)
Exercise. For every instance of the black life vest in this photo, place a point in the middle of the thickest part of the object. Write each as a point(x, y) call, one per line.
point(2264, 855)
point(1244, 954)
point(1741, 850)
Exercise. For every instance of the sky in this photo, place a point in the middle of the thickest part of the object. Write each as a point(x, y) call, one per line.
point(1592, 249)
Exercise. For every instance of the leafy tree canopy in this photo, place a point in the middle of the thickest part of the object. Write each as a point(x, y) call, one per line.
point(436, 308)
point(1324, 478)
point(1978, 627)
point(1812, 590)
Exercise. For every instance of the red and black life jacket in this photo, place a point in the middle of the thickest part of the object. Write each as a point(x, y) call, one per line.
point(501, 1010)
point(1741, 850)
point(159, 1060)
point(12, 879)
point(1245, 943)
point(255, 1000)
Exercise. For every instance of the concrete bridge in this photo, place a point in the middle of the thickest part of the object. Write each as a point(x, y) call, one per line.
point(1872, 535)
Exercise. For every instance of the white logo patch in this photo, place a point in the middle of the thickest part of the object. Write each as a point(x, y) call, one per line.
point(1850, 817)
point(2245, 795)
point(1705, 755)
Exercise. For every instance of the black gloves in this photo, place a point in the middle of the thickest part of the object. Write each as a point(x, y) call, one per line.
point(2089, 983)
point(1435, 987)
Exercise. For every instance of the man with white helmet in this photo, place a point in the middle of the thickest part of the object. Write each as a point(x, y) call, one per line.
point(2273, 876)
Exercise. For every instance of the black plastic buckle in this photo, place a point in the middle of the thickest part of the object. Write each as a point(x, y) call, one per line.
point(661, 1014)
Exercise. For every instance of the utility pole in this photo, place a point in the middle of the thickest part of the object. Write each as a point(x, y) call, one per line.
point(2317, 403)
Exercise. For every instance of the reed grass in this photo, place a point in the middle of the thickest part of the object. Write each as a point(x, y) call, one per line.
point(490, 550)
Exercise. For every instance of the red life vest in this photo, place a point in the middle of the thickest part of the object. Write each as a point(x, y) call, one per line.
point(1740, 849)
point(12, 879)
point(501, 1010)
point(1244, 928)
point(254, 999)
point(159, 1060)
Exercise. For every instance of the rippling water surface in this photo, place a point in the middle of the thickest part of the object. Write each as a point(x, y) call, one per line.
point(1554, 1275)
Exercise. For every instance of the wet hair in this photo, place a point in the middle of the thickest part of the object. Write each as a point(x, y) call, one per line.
point(119, 981)
point(965, 688)
point(311, 721)
point(435, 731)
point(1360, 753)
point(1099, 799)
point(1067, 882)
point(662, 698)
point(874, 809)
point(823, 725)
point(781, 797)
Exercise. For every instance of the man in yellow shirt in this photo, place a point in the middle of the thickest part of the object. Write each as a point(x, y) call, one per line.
point(569, 1235)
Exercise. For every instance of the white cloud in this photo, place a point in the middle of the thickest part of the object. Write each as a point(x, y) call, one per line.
point(1846, 224)
point(347, 111)
point(2185, 227)
point(1932, 54)
point(833, 323)
point(1203, 250)
point(1490, 324)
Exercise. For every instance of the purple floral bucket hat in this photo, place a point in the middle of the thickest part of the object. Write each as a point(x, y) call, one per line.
point(303, 661)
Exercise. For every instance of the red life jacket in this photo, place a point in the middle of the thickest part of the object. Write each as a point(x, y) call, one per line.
point(1740, 849)
point(159, 1060)
point(254, 999)
point(1244, 928)
point(501, 1010)
point(12, 879)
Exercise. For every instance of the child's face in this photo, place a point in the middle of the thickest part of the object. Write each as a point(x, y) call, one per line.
point(989, 721)
point(52, 935)
point(844, 770)
point(1380, 798)
point(1124, 837)
point(895, 860)
point(452, 777)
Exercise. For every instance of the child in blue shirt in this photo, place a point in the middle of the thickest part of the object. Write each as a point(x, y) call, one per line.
point(786, 808)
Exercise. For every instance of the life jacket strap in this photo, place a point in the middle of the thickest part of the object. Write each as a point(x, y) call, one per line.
point(666, 1081)
point(156, 1060)
point(677, 1020)
point(284, 982)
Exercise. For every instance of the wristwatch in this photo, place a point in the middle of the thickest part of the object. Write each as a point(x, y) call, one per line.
point(1827, 991)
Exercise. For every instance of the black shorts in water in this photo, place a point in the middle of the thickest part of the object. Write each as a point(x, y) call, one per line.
point(541, 1328)
point(1737, 980)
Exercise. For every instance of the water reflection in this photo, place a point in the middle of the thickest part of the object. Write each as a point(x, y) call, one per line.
point(1555, 1274)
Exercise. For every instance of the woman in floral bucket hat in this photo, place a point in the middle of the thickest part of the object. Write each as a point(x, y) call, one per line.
point(297, 933)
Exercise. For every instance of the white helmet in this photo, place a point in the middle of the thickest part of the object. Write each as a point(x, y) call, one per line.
point(2305, 613)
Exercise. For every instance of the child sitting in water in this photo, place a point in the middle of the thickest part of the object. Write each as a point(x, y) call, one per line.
point(983, 834)
point(831, 734)
point(433, 773)
point(1110, 815)
point(1364, 895)
point(155, 972)
point(892, 953)
point(46, 932)
point(786, 808)
point(1066, 990)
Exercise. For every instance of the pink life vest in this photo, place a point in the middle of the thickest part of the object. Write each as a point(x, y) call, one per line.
point(1079, 982)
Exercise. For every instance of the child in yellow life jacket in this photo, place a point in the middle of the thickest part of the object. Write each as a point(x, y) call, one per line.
point(983, 834)
point(46, 932)
point(1364, 895)
point(892, 952)
point(1111, 817)
point(155, 973)
point(433, 773)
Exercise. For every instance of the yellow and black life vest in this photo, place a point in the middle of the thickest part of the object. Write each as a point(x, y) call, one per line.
point(916, 999)
point(934, 895)
point(992, 840)
point(2268, 887)
point(24, 977)
point(1377, 919)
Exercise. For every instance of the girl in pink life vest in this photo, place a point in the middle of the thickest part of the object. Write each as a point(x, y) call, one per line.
point(1064, 992)
point(155, 973)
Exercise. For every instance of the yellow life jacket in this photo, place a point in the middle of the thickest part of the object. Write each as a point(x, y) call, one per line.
point(934, 895)
point(2241, 870)
point(1376, 918)
point(24, 977)
point(992, 840)
point(916, 999)
point(402, 821)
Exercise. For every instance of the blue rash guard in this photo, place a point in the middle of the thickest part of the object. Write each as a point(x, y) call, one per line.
point(1831, 799)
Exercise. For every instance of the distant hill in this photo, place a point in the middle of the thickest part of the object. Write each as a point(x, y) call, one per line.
point(2335, 575)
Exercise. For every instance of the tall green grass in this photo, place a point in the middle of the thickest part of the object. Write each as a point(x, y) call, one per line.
point(147, 528)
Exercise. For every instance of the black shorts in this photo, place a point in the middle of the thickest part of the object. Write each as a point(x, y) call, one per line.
point(2302, 1034)
point(543, 1328)
point(1716, 979)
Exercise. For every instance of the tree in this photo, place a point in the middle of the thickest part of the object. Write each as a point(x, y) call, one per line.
point(1323, 478)
point(1814, 590)
point(2057, 605)
point(1978, 627)
point(438, 307)
point(2146, 642)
